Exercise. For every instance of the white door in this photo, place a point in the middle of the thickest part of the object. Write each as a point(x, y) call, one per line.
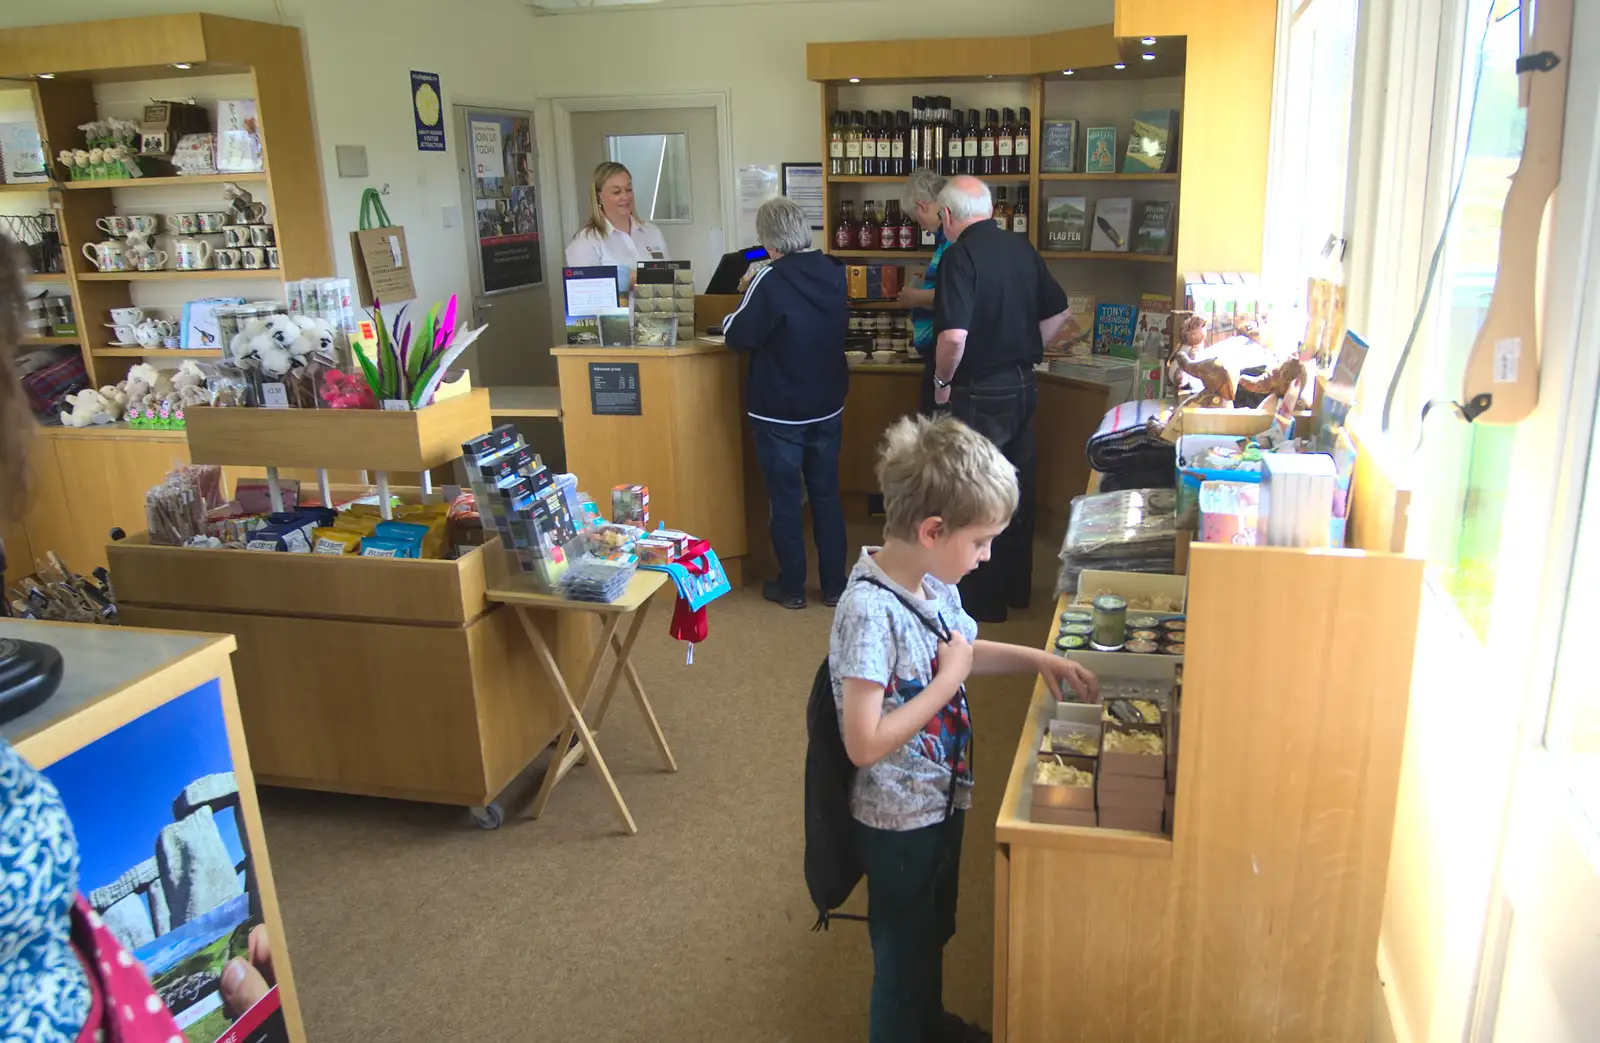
point(503, 216)
point(673, 156)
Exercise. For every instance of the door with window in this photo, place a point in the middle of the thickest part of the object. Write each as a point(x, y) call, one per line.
point(673, 156)
point(503, 213)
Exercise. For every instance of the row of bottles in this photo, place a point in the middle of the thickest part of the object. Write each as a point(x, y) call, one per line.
point(933, 135)
point(893, 229)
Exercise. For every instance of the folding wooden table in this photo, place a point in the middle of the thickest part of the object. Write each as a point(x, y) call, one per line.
point(633, 605)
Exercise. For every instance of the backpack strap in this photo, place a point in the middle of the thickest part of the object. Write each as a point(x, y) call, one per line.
point(942, 633)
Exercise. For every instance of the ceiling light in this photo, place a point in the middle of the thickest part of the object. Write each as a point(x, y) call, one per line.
point(182, 65)
point(1119, 65)
point(1066, 72)
point(1148, 40)
point(47, 76)
point(1147, 56)
point(855, 79)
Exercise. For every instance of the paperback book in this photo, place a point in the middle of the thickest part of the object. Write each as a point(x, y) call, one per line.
point(1111, 220)
point(1100, 150)
point(1060, 152)
point(1113, 329)
point(1066, 226)
point(1149, 145)
point(1152, 233)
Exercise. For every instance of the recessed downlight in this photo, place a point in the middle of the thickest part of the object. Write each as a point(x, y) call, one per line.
point(1147, 56)
point(1066, 72)
point(47, 76)
point(1119, 65)
point(855, 79)
point(1148, 40)
point(182, 65)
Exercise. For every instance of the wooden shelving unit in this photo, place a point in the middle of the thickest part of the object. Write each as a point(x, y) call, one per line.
point(83, 55)
point(854, 75)
point(49, 342)
point(34, 188)
point(175, 275)
point(46, 278)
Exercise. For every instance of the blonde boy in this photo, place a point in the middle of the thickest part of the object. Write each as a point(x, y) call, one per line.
point(900, 653)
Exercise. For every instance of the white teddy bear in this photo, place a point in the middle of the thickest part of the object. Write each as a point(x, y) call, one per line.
point(88, 407)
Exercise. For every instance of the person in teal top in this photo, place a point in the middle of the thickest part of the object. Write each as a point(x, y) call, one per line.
point(921, 199)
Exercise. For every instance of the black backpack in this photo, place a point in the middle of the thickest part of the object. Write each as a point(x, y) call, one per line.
point(832, 870)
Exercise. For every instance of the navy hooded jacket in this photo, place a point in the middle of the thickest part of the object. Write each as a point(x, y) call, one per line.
point(793, 321)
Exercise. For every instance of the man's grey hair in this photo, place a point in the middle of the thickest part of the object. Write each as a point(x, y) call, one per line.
point(781, 226)
point(923, 186)
point(967, 198)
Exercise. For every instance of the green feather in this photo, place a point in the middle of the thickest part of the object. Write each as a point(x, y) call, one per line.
point(368, 370)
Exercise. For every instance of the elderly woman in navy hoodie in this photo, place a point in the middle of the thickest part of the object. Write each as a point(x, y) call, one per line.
point(793, 321)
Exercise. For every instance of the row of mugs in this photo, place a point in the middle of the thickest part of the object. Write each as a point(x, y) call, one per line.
point(187, 255)
point(210, 223)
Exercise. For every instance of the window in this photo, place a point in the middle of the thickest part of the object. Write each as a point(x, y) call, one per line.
point(1467, 466)
point(1311, 140)
point(660, 167)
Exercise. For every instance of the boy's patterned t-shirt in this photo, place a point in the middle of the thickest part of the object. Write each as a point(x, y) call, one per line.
point(876, 638)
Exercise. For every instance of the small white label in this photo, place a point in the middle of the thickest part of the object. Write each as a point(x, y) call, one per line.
point(1021, 146)
point(397, 405)
point(1507, 360)
point(379, 552)
point(274, 396)
point(1019, 223)
point(329, 546)
point(394, 250)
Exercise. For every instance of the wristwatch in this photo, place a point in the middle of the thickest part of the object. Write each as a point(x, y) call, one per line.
point(941, 384)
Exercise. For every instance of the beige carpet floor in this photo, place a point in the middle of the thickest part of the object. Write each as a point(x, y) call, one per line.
point(407, 923)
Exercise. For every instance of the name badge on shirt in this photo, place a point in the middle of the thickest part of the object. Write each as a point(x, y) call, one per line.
point(657, 255)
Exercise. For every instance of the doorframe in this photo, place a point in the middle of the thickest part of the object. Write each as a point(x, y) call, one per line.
point(563, 108)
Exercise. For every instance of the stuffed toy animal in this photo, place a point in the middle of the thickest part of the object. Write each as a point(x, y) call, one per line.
point(116, 396)
point(317, 336)
point(245, 348)
point(88, 407)
point(189, 387)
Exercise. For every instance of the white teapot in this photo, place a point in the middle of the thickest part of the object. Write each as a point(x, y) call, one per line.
point(151, 332)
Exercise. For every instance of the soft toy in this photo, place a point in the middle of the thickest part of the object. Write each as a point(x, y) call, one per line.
point(346, 391)
point(88, 407)
point(116, 396)
point(245, 348)
point(189, 386)
point(316, 338)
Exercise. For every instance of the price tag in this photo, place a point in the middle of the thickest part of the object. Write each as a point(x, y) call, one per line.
point(396, 405)
point(1507, 360)
point(274, 396)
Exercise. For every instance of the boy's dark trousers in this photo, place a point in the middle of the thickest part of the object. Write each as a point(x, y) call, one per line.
point(912, 880)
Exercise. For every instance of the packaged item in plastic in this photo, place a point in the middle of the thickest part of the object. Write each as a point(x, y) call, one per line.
point(331, 540)
point(630, 504)
point(411, 532)
point(1228, 512)
point(1133, 530)
point(652, 551)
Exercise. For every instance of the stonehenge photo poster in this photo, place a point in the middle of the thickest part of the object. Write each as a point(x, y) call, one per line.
point(165, 861)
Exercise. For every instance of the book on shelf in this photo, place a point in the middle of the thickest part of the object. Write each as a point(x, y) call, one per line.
point(1100, 150)
point(1060, 151)
point(1066, 223)
point(1077, 333)
point(1152, 335)
point(1152, 233)
point(1110, 231)
point(1149, 144)
point(1113, 329)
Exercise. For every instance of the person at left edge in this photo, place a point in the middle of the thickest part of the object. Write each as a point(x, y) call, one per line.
point(793, 320)
point(614, 234)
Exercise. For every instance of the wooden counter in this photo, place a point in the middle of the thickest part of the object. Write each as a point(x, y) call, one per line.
point(145, 732)
point(1258, 918)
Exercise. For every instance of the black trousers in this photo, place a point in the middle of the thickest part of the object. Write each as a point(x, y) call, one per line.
point(1000, 405)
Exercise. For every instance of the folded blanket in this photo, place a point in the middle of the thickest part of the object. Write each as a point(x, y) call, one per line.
point(1125, 440)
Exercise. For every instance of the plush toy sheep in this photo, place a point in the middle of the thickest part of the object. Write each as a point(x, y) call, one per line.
point(189, 386)
point(316, 338)
point(116, 396)
point(245, 348)
point(88, 407)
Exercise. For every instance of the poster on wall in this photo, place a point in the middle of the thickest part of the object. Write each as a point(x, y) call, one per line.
point(802, 182)
point(164, 859)
point(505, 201)
point(757, 184)
point(427, 109)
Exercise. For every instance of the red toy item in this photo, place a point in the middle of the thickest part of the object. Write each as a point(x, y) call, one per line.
point(346, 391)
point(690, 624)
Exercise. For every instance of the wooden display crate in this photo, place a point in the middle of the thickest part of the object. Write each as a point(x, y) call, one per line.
point(359, 439)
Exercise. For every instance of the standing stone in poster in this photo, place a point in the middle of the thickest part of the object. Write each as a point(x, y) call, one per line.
point(196, 869)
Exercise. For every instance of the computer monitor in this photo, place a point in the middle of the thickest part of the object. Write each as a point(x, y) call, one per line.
point(732, 267)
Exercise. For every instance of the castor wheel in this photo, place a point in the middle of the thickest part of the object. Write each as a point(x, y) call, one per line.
point(490, 817)
point(117, 535)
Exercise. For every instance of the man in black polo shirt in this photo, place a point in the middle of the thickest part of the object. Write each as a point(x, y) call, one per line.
point(996, 307)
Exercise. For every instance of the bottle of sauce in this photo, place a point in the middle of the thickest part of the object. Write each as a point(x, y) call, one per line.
point(1004, 143)
point(889, 231)
point(844, 227)
point(1019, 140)
point(1019, 213)
point(867, 231)
point(986, 144)
point(973, 161)
point(1002, 210)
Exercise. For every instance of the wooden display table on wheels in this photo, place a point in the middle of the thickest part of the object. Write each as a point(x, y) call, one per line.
point(535, 612)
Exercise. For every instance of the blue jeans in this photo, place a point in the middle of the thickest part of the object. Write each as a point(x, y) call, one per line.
point(790, 453)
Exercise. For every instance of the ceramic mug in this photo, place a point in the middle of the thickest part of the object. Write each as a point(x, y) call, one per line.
point(255, 213)
point(236, 235)
point(114, 225)
point(106, 256)
point(262, 235)
point(191, 254)
point(254, 257)
point(127, 316)
point(152, 260)
point(142, 224)
point(272, 257)
point(227, 258)
point(170, 342)
point(184, 224)
point(212, 222)
point(127, 334)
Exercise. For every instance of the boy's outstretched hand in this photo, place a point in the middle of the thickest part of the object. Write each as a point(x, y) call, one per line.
point(1057, 669)
point(955, 658)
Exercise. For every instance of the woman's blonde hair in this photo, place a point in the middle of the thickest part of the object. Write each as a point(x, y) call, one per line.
point(597, 211)
point(942, 469)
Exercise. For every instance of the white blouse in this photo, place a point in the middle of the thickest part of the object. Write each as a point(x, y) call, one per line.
point(617, 247)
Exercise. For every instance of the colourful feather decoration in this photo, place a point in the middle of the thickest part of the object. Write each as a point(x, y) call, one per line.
point(412, 360)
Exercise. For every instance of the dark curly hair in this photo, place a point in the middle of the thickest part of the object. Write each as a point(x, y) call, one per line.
point(16, 419)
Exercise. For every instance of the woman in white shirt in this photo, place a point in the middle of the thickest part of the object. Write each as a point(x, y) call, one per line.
point(614, 234)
